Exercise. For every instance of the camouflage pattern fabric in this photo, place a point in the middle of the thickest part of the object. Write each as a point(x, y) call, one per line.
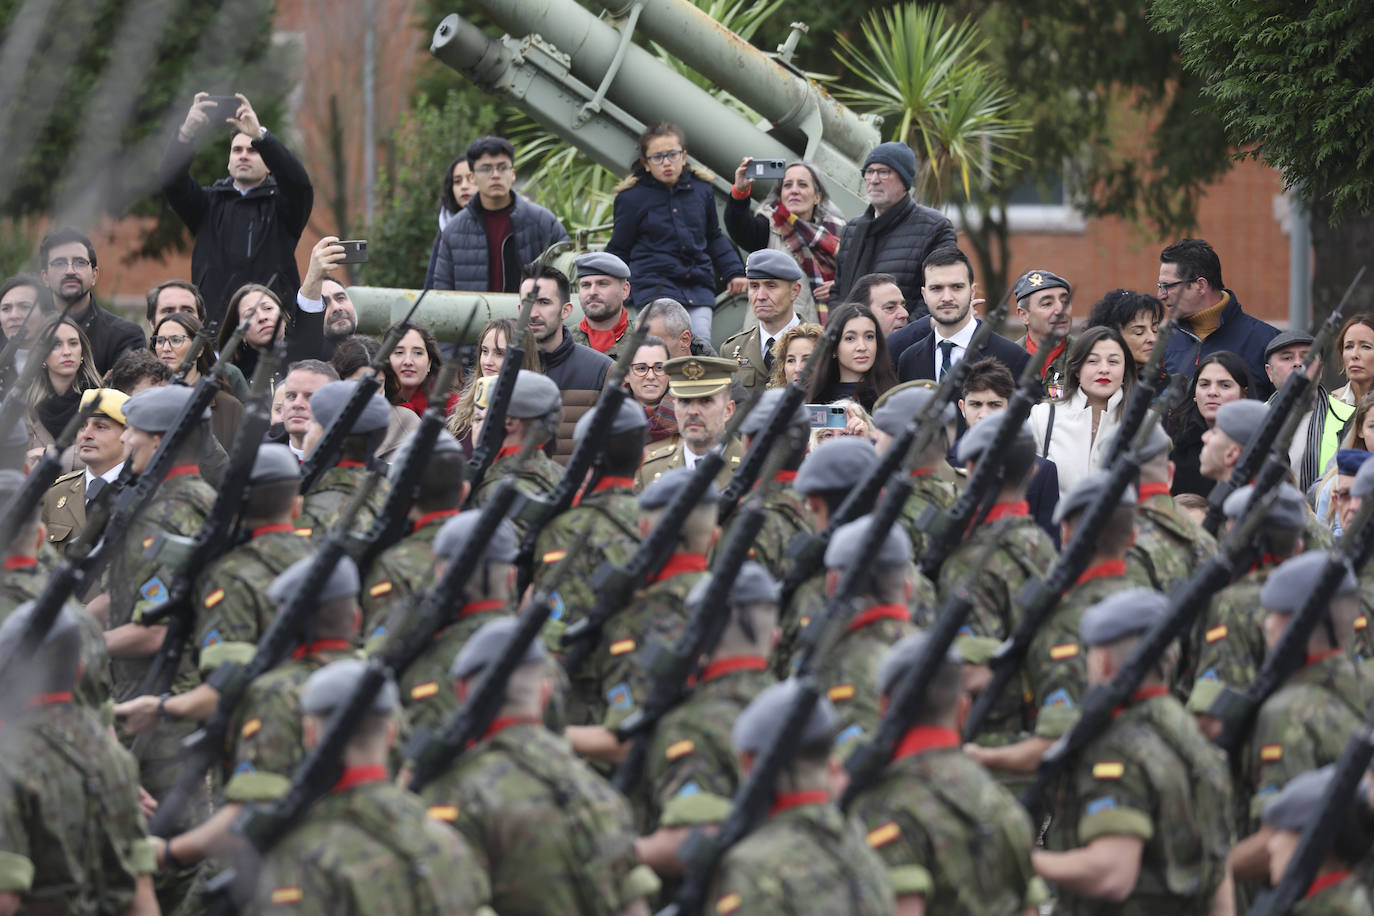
point(929, 491)
point(786, 516)
point(849, 669)
point(1227, 645)
point(1168, 547)
point(403, 570)
point(93, 688)
point(426, 688)
point(1344, 898)
point(332, 493)
point(537, 476)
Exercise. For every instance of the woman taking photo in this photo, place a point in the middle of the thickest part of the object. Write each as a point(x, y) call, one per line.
point(791, 351)
point(1070, 431)
point(412, 368)
point(171, 341)
point(258, 303)
point(797, 217)
point(859, 368)
point(1221, 377)
point(54, 396)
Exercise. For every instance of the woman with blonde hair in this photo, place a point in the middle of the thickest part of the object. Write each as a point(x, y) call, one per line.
point(54, 396)
point(791, 351)
point(491, 353)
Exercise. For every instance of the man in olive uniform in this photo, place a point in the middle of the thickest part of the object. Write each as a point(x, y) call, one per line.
point(367, 846)
point(98, 446)
point(785, 511)
point(531, 419)
point(553, 836)
point(406, 568)
point(1336, 890)
point(1142, 825)
point(603, 288)
point(775, 282)
point(700, 388)
point(334, 489)
point(1044, 302)
point(950, 836)
point(72, 835)
point(930, 488)
point(806, 857)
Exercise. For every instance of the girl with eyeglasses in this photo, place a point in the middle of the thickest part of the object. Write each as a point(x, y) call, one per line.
point(667, 230)
point(171, 341)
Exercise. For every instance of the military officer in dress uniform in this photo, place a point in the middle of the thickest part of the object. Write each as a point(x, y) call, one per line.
point(98, 445)
point(700, 387)
point(775, 282)
point(1044, 301)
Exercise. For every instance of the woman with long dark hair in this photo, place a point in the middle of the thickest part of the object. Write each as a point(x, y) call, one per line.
point(261, 306)
point(1220, 378)
point(412, 367)
point(455, 190)
point(54, 395)
point(859, 367)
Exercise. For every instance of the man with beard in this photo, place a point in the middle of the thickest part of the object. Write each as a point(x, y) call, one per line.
point(603, 285)
point(327, 314)
point(70, 270)
point(700, 386)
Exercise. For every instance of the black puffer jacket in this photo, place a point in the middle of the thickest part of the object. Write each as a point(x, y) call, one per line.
point(895, 243)
point(461, 256)
point(580, 374)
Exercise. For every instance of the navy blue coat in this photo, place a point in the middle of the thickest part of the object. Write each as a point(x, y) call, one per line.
point(1242, 334)
point(672, 241)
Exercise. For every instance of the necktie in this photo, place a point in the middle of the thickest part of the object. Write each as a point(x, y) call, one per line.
point(768, 355)
point(93, 489)
point(946, 350)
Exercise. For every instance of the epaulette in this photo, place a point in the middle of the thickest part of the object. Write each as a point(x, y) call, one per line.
point(662, 452)
point(68, 476)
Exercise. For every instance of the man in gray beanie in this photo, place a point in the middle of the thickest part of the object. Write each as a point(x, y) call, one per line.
point(895, 234)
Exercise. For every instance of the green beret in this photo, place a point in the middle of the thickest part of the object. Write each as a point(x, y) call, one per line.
point(899, 408)
point(328, 402)
point(903, 655)
point(1084, 493)
point(274, 461)
point(1295, 579)
point(773, 264)
point(762, 412)
point(661, 492)
point(331, 686)
point(975, 442)
point(1286, 510)
point(835, 464)
point(342, 581)
point(601, 263)
point(1032, 281)
point(453, 535)
point(847, 540)
point(1120, 615)
point(628, 418)
point(1240, 420)
point(487, 644)
point(154, 410)
point(757, 727)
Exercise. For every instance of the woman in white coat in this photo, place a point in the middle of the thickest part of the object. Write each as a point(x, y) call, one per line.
point(1071, 431)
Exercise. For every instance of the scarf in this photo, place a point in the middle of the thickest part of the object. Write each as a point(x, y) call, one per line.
point(1311, 455)
point(601, 341)
point(56, 410)
point(812, 244)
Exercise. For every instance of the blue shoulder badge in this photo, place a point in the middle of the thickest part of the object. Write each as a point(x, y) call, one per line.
point(619, 696)
point(1105, 803)
point(154, 592)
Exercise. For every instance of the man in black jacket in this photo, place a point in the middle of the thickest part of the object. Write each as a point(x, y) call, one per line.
point(70, 271)
point(246, 225)
point(895, 234)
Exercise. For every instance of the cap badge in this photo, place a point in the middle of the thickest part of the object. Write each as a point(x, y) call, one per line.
point(1036, 279)
point(693, 371)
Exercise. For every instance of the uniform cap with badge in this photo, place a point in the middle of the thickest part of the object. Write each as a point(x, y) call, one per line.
point(330, 687)
point(1119, 616)
point(1287, 508)
point(501, 547)
point(762, 412)
point(601, 263)
point(342, 581)
point(1240, 420)
point(628, 418)
point(1032, 281)
point(836, 464)
point(975, 442)
point(274, 461)
point(773, 264)
point(904, 402)
point(109, 403)
point(847, 541)
point(757, 727)
point(1294, 580)
point(1084, 494)
point(699, 376)
point(660, 493)
point(328, 402)
point(155, 410)
point(487, 644)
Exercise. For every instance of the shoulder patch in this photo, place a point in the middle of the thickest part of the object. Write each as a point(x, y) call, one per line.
point(679, 749)
point(1216, 633)
point(154, 592)
point(1063, 651)
point(211, 639)
point(729, 903)
point(1271, 753)
point(881, 836)
point(1108, 770)
point(619, 697)
point(841, 692)
point(303, 532)
point(1060, 697)
point(381, 588)
point(214, 598)
point(446, 813)
point(553, 556)
point(621, 646)
point(1105, 803)
point(286, 895)
point(1361, 622)
point(424, 691)
point(251, 728)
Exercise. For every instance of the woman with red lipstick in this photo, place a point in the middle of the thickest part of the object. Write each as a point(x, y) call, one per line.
point(413, 365)
point(170, 343)
point(1070, 431)
point(54, 396)
point(860, 366)
point(1221, 377)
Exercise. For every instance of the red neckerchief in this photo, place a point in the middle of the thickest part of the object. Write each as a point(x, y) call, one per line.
point(1102, 571)
point(1031, 347)
point(786, 801)
point(182, 470)
point(477, 607)
point(49, 699)
point(1151, 490)
point(921, 472)
point(320, 645)
point(1266, 560)
point(20, 563)
point(351, 464)
point(506, 452)
point(269, 529)
point(925, 738)
point(1141, 695)
point(357, 776)
point(1018, 509)
point(779, 477)
point(601, 341)
point(428, 517)
point(731, 665)
point(1314, 657)
point(500, 725)
point(680, 563)
point(1325, 881)
point(606, 483)
point(879, 612)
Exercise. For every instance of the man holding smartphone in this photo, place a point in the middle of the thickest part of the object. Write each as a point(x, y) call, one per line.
point(247, 224)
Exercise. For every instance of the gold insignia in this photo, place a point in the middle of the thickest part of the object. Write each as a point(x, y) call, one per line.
point(251, 728)
point(1067, 650)
point(729, 903)
point(1271, 753)
point(553, 556)
point(214, 598)
point(1216, 633)
point(381, 588)
point(62, 502)
point(693, 371)
point(1036, 279)
point(284, 895)
point(622, 646)
point(446, 813)
point(883, 835)
point(1111, 770)
point(679, 749)
point(841, 692)
point(424, 691)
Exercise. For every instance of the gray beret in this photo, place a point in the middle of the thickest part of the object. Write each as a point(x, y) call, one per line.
point(975, 442)
point(1085, 492)
point(757, 727)
point(444, 442)
point(154, 410)
point(753, 584)
point(772, 264)
point(759, 416)
point(342, 582)
point(1286, 339)
point(902, 656)
point(10, 483)
point(1363, 484)
point(1288, 509)
point(1158, 443)
point(1122, 614)
point(274, 461)
point(1295, 579)
point(64, 626)
point(329, 399)
point(487, 644)
point(661, 492)
point(329, 687)
point(1240, 420)
point(14, 444)
point(1032, 281)
point(502, 546)
point(845, 542)
point(900, 406)
point(601, 263)
point(1296, 804)
point(835, 464)
point(628, 418)
point(535, 395)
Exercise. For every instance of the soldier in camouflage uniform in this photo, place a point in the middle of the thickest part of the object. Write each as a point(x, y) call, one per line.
point(1044, 302)
point(366, 847)
point(1140, 826)
point(335, 488)
point(950, 836)
point(1227, 645)
point(531, 419)
point(72, 835)
point(1336, 891)
point(553, 836)
point(603, 286)
point(406, 569)
point(806, 857)
point(930, 490)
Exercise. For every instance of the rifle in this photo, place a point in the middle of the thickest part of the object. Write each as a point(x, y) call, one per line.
point(1146, 389)
point(808, 554)
point(1296, 391)
point(494, 424)
point(199, 342)
point(948, 529)
point(203, 749)
point(48, 469)
point(330, 446)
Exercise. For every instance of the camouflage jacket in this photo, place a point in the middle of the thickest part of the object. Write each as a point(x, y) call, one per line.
point(72, 835)
point(806, 855)
point(553, 835)
point(1364, 634)
point(331, 494)
point(426, 688)
point(1151, 775)
point(1168, 548)
point(369, 848)
point(403, 570)
point(849, 670)
point(21, 582)
point(538, 476)
point(785, 517)
point(232, 594)
point(1227, 646)
point(947, 831)
point(1347, 897)
point(929, 491)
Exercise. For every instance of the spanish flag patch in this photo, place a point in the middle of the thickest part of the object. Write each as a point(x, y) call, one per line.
point(881, 836)
point(1066, 650)
point(214, 598)
point(841, 692)
point(1216, 633)
point(553, 556)
point(1271, 753)
point(729, 903)
point(251, 728)
point(147, 542)
point(285, 895)
point(303, 532)
point(446, 813)
point(1108, 770)
point(621, 646)
point(424, 691)
point(1361, 622)
point(679, 749)
point(381, 588)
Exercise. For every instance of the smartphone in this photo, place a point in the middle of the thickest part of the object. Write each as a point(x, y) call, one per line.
point(827, 416)
point(355, 252)
point(767, 169)
point(225, 106)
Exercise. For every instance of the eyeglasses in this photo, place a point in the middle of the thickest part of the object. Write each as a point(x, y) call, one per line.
point(673, 155)
point(175, 340)
point(1165, 287)
point(875, 173)
point(645, 368)
point(499, 168)
point(61, 263)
